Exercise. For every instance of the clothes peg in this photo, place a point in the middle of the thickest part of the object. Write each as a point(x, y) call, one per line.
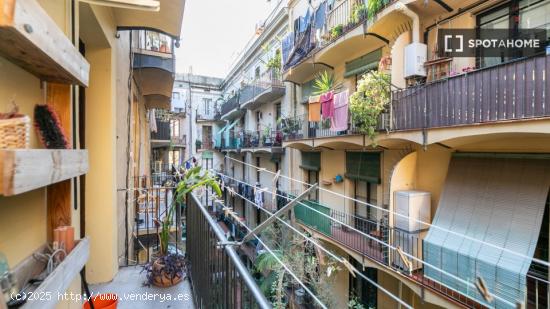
point(483, 290)
point(405, 260)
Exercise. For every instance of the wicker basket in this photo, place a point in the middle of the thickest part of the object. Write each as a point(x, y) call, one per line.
point(14, 133)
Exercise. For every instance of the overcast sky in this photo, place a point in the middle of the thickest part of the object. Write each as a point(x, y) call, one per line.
point(215, 31)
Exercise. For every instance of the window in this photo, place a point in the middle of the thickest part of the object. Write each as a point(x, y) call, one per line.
point(514, 15)
point(174, 157)
point(366, 217)
point(174, 127)
point(207, 104)
point(278, 116)
point(175, 95)
point(312, 177)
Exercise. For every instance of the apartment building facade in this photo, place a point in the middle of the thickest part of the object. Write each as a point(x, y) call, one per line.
point(102, 73)
point(201, 97)
point(449, 191)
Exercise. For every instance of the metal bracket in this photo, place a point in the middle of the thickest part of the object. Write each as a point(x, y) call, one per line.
point(279, 212)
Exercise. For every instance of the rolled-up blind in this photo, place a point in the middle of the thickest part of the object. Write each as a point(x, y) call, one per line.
point(363, 166)
point(363, 64)
point(311, 161)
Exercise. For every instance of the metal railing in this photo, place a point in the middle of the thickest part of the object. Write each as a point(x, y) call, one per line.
point(151, 205)
point(516, 90)
point(218, 276)
point(257, 139)
point(230, 105)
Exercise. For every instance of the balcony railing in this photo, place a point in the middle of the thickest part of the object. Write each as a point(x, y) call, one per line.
point(218, 275)
point(409, 242)
point(230, 105)
point(296, 128)
point(262, 139)
point(516, 90)
point(264, 89)
point(340, 19)
point(163, 131)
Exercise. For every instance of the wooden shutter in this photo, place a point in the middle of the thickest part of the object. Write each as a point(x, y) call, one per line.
point(363, 166)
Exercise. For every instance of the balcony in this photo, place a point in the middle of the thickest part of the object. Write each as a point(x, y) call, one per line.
point(154, 67)
point(230, 109)
point(342, 25)
point(265, 89)
point(511, 91)
point(299, 128)
point(204, 117)
point(163, 137)
point(270, 140)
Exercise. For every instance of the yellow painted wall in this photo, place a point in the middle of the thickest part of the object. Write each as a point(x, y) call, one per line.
point(432, 166)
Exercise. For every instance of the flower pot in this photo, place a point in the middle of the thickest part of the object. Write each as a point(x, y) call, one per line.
point(103, 301)
point(161, 278)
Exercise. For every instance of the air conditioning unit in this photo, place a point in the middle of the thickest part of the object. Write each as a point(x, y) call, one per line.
point(410, 207)
point(414, 205)
point(415, 56)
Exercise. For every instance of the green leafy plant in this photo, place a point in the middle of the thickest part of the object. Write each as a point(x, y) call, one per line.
point(336, 31)
point(358, 13)
point(274, 63)
point(355, 303)
point(198, 144)
point(369, 101)
point(323, 83)
point(375, 6)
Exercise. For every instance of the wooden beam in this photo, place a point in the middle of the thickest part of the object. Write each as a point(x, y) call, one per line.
point(32, 40)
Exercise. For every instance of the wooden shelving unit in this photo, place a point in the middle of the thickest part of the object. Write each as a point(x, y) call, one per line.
point(22, 170)
point(60, 278)
point(32, 40)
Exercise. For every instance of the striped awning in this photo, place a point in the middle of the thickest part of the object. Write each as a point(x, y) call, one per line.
point(499, 201)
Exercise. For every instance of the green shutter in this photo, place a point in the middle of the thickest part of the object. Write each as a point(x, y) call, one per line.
point(307, 90)
point(311, 161)
point(363, 166)
point(363, 64)
point(207, 155)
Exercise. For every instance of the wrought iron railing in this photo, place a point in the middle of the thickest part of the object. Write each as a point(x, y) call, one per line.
point(231, 104)
point(152, 41)
point(218, 276)
point(263, 138)
point(517, 90)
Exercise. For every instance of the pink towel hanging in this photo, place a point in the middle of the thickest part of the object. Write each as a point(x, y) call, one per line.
point(327, 104)
point(339, 120)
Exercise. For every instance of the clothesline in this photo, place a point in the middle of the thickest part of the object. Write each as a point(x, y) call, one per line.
point(391, 247)
point(390, 212)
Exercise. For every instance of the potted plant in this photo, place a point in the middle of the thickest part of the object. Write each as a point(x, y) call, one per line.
point(323, 83)
point(168, 269)
point(336, 31)
point(358, 13)
point(369, 101)
point(198, 144)
point(266, 136)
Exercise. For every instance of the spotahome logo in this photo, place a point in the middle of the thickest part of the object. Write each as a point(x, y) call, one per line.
point(490, 42)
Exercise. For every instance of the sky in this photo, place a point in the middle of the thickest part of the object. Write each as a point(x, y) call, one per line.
point(214, 32)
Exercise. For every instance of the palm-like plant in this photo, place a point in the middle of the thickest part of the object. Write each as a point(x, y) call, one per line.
point(192, 179)
point(323, 83)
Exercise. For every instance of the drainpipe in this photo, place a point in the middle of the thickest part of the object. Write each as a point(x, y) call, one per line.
point(415, 19)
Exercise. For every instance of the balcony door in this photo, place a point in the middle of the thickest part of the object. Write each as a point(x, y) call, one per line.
point(365, 217)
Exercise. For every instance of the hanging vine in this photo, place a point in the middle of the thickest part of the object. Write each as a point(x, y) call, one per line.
point(369, 101)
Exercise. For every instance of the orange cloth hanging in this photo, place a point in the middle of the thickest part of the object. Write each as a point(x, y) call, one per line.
point(314, 109)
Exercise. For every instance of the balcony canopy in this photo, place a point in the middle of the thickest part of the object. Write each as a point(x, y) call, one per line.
point(166, 20)
point(498, 200)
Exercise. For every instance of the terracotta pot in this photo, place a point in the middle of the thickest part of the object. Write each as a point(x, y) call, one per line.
point(103, 301)
point(163, 280)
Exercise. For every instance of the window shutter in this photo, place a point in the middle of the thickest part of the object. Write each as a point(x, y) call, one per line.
point(363, 64)
point(363, 166)
point(311, 161)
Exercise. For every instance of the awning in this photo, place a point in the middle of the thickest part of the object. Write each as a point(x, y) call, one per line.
point(167, 19)
point(498, 200)
point(218, 137)
point(363, 64)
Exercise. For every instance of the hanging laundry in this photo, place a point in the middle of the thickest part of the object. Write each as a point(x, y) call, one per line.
point(327, 104)
point(339, 121)
point(320, 15)
point(314, 105)
point(258, 196)
point(152, 121)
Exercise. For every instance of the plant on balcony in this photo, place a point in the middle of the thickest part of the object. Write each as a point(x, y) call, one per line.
point(358, 13)
point(323, 83)
point(167, 268)
point(275, 62)
point(369, 101)
point(300, 258)
point(289, 126)
point(374, 6)
point(336, 31)
point(198, 144)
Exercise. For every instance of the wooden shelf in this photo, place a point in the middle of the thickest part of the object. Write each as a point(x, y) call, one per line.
point(60, 278)
point(32, 40)
point(22, 170)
